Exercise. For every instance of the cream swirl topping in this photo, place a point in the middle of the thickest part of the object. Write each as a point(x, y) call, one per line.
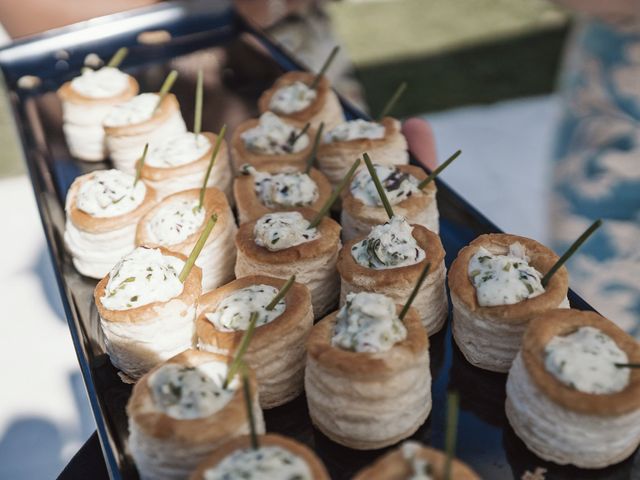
point(398, 185)
point(142, 277)
point(272, 136)
point(292, 98)
point(281, 230)
point(137, 110)
point(186, 147)
point(284, 189)
point(109, 193)
point(103, 83)
point(175, 221)
point(265, 463)
point(234, 312)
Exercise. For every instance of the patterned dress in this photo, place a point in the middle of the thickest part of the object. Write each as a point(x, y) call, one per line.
point(597, 169)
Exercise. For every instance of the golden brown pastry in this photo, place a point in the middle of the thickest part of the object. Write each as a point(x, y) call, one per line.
point(292, 98)
point(86, 101)
point(103, 209)
point(181, 411)
point(390, 260)
point(147, 314)
point(176, 224)
point(489, 317)
point(277, 349)
point(367, 378)
point(362, 209)
point(410, 461)
point(566, 398)
point(280, 245)
point(275, 188)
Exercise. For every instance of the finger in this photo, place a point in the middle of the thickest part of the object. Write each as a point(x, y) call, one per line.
point(421, 142)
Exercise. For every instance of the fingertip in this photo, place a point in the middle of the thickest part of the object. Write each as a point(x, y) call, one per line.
point(421, 140)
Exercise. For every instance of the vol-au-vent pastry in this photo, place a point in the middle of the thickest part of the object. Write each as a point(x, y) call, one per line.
point(276, 458)
point(86, 101)
point(271, 139)
point(569, 397)
point(277, 349)
point(414, 461)
point(176, 224)
point(367, 377)
point(103, 209)
point(292, 97)
point(496, 289)
point(182, 411)
point(383, 141)
point(362, 208)
point(280, 244)
point(179, 162)
point(131, 125)
point(275, 188)
point(146, 313)
point(390, 260)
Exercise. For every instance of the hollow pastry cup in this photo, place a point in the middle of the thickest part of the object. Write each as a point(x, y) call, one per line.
point(277, 349)
point(125, 143)
point(313, 263)
point(97, 243)
point(164, 447)
point(318, 471)
point(251, 208)
point(398, 283)
point(240, 154)
point(357, 219)
point(82, 118)
point(364, 400)
point(138, 339)
point(325, 108)
point(335, 158)
point(394, 466)
point(562, 424)
point(218, 255)
point(490, 337)
point(169, 180)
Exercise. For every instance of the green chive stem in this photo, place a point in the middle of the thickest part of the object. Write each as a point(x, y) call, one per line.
point(166, 88)
point(214, 154)
point(244, 344)
point(281, 293)
point(141, 164)
point(294, 138)
point(379, 188)
point(393, 100)
point(247, 400)
point(314, 151)
point(453, 402)
point(197, 120)
point(325, 67)
point(414, 292)
point(334, 196)
point(572, 249)
point(193, 256)
point(118, 57)
point(627, 365)
point(437, 171)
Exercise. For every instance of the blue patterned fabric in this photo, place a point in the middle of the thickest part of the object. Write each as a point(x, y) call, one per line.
point(597, 169)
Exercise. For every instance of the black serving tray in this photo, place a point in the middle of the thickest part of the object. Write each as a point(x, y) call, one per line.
point(247, 63)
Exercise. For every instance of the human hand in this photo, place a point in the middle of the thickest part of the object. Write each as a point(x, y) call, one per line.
point(421, 142)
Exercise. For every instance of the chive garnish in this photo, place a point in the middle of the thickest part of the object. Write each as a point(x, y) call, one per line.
point(294, 138)
point(140, 164)
point(166, 87)
point(334, 196)
point(379, 188)
point(193, 256)
point(197, 119)
point(437, 171)
point(627, 365)
point(570, 251)
point(118, 57)
point(453, 401)
point(314, 151)
point(247, 400)
point(393, 100)
point(244, 344)
point(325, 66)
point(281, 293)
point(214, 154)
point(414, 292)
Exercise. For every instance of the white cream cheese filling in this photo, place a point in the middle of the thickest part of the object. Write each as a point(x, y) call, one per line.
point(397, 185)
point(292, 98)
point(175, 221)
point(103, 83)
point(281, 230)
point(354, 130)
point(176, 150)
point(284, 189)
point(137, 110)
point(272, 136)
point(109, 193)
